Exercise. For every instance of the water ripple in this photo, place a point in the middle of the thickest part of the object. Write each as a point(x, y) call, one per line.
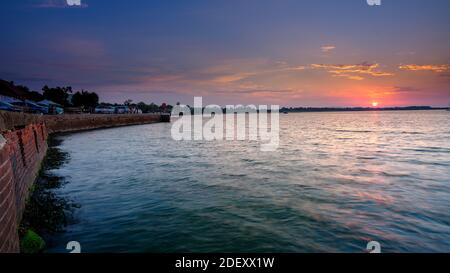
point(337, 181)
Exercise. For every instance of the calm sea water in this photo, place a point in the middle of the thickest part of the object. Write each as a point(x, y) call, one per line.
point(337, 181)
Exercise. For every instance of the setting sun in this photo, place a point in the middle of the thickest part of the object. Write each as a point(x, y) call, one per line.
point(375, 104)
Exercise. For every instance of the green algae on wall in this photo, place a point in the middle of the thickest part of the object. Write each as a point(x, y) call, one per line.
point(46, 212)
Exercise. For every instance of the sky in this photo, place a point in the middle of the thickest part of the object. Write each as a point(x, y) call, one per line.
point(285, 52)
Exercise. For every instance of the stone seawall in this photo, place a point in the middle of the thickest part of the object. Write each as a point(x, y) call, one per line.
point(23, 145)
point(71, 123)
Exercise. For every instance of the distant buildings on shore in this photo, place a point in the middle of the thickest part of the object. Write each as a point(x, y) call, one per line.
point(59, 100)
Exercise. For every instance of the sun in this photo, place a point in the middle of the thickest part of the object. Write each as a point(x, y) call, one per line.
point(375, 104)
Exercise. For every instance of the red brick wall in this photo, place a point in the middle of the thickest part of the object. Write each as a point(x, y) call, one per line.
point(9, 239)
point(20, 159)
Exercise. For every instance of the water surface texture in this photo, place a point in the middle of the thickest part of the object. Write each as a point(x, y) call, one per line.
point(337, 181)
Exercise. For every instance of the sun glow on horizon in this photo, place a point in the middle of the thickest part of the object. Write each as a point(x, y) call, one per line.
point(375, 104)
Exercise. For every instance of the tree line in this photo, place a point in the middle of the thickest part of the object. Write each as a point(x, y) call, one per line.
point(84, 99)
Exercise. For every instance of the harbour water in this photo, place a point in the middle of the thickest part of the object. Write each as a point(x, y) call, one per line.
point(337, 181)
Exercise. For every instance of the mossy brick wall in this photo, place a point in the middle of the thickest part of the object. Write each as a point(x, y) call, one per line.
point(21, 154)
point(23, 144)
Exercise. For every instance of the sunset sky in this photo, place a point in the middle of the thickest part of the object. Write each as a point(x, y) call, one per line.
point(287, 52)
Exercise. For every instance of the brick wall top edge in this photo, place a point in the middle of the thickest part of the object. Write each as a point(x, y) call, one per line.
point(77, 122)
point(11, 120)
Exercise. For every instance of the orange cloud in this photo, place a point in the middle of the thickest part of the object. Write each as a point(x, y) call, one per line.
point(350, 77)
point(353, 71)
point(232, 78)
point(428, 67)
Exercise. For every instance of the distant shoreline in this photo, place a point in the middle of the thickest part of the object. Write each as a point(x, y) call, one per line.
point(357, 109)
point(286, 110)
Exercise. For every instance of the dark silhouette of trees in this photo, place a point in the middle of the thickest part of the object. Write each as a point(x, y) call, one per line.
point(153, 108)
point(8, 88)
point(143, 107)
point(22, 89)
point(148, 108)
point(58, 94)
point(85, 99)
point(35, 96)
point(82, 99)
